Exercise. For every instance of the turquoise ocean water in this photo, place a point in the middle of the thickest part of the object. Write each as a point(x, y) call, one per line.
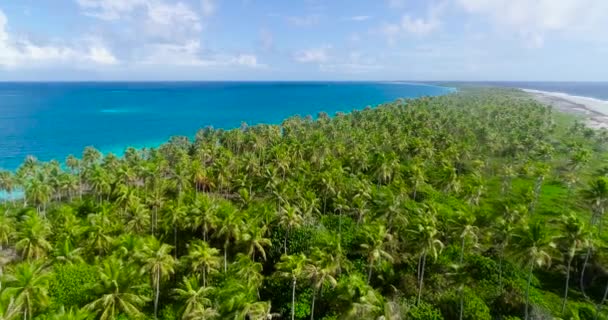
point(53, 120)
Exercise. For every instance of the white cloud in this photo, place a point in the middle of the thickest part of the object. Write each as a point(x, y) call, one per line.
point(189, 55)
point(304, 21)
point(532, 20)
point(208, 7)
point(359, 18)
point(397, 4)
point(419, 26)
point(162, 32)
point(109, 9)
point(313, 55)
point(19, 52)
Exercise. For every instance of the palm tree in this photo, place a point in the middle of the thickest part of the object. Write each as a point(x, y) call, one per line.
point(534, 243)
point(427, 236)
point(158, 262)
point(375, 248)
point(203, 259)
point(289, 219)
point(8, 311)
point(32, 236)
point(27, 284)
point(597, 196)
point(74, 165)
point(7, 183)
point(7, 230)
point(574, 237)
point(255, 240)
point(231, 228)
point(320, 271)
point(118, 291)
point(197, 304)
point(292, 266)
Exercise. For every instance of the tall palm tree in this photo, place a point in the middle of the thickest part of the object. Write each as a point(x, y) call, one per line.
point(158, 262)
point(292, 267)
point(32, 237)
point(203, 259)
point(231, 228)
point(7, 183)
point(376, 246)
point(574, 237)
point(195, 298)
point(426, 235)
point(597, 196)
point(534, 244)
point(27, 284)
point(254, 238)
point(117, 291)
point(289, 218)
point(320, 270)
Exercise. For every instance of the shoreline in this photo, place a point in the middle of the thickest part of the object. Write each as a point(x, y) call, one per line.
point(595, 111)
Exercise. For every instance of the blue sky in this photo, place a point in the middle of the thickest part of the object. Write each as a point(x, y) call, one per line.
point(303, 40)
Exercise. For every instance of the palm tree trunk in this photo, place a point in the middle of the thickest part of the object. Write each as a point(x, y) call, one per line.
point(204, 277)
point(567, 283)
point(582, 280)
point(312, 306)
point(175, 240)
point(369, 273)
point(285, 241)
point(421, 280)
point(528, 291)
point(157, 294)
point(601, 304)
point(293, 299)
point(225, 256)
point(500, 271)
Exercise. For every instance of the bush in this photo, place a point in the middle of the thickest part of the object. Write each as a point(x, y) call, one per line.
point(474, 308)
point(71, 283)
point(423, 311)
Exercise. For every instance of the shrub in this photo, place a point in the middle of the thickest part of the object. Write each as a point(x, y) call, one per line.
point(71, 283)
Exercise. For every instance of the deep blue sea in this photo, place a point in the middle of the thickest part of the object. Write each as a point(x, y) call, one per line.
point(53, 120)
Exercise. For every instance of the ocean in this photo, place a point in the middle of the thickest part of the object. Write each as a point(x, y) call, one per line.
point(53, 120)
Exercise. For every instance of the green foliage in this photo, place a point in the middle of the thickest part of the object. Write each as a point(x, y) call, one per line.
point(71, 284)
point(424, 311)
point(428, 202)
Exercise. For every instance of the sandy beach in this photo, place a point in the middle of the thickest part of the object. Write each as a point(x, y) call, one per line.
point(595, 110)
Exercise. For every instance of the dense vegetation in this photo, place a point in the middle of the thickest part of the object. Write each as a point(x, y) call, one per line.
point(476, 205)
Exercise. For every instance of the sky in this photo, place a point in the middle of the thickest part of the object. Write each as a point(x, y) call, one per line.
point(149, 40)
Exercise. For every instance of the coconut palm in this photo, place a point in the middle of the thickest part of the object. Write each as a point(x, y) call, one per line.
point(202, 259)
point(596, 195)
point(574, 237)
point(231, 227)
point(27, 285)
point(289, 218)
point(426, 235)
point(534, 245)
point(158, 263)
point(195, 299)
point(377, 239)
point(254, 238)
point(292, 267)
point(32, 237)
point(118, 291)
point(320, 270)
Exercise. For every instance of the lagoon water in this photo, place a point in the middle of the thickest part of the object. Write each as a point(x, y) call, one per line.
point(53, 120)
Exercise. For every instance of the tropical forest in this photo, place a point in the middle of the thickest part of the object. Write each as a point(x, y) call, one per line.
point(480, 204)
